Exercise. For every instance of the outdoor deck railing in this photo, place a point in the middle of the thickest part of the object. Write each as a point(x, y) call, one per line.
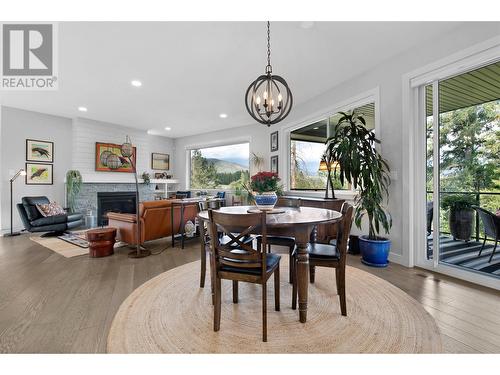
point(477, 196)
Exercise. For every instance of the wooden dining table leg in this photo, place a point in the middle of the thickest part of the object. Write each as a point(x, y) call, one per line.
point(203, 253)
point(302, 240)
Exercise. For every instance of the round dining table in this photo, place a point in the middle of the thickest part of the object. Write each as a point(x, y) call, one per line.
point(294, 222)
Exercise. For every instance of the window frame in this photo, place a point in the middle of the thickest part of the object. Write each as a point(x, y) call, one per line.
point(217, 143)
point(366, 97)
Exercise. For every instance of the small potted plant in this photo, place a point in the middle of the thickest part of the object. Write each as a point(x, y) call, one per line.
point(461, 215)
point(264, 186)
point(146, 178)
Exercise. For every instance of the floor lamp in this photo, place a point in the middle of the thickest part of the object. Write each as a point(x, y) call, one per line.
point(21, 172)
point(127, 151)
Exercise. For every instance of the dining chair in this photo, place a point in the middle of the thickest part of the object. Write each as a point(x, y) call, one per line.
point(327, 255)
point(205, 205)
point(282, 240)
point(243, 263)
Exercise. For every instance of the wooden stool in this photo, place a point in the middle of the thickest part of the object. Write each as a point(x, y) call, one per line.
point(101, 242)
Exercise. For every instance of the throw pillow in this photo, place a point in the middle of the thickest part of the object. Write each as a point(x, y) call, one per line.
point(50, 209)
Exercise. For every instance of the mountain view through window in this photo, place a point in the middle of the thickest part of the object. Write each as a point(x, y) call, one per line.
point(220, 167)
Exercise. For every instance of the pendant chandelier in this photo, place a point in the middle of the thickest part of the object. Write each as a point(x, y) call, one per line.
point(268, 99)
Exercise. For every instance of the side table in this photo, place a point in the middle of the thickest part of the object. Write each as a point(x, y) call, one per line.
point(101, 242)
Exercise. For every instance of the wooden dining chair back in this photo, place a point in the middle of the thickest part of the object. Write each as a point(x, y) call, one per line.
point(284, 241)
point(205, 205)
point(328, 255)
point(237, 260)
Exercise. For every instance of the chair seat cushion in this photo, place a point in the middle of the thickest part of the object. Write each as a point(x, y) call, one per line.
point(323, 251)
point(74, 217)
point(272, 261)
point(280, 240)
point(50, 220)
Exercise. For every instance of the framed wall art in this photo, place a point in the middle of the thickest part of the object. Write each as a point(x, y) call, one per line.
point(39, 151)
point(274, 141)
point(274, 164)
point(160, 162)
point(39, 174)
point(108, 158)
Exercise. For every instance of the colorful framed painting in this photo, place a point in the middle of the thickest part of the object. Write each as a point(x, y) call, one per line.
point(274, 141)
point(39, 151)
point(160, 162)
point(39, 174)
point(274, 164)
point(108, 158)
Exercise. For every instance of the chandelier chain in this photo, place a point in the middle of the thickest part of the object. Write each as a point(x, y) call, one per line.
point(268, 43)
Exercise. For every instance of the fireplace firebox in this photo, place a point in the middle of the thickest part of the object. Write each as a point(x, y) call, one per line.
point(117, 201)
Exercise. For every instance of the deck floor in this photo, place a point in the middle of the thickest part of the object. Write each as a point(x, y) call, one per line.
point(465, 255)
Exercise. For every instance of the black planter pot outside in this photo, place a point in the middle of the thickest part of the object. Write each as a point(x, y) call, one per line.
point(461, 222)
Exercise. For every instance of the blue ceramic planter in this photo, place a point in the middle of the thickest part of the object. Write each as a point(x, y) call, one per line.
point(374, 252)
point(266, 201)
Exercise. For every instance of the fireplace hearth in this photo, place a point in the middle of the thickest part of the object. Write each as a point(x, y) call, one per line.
point(116, 201)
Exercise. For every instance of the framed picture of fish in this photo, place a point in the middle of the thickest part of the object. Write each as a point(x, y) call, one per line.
point(160, 162)
point(108, 158)
point(39, 151)
point(39, 174)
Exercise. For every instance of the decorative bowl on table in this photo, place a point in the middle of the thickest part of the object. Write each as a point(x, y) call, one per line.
point(265, 201)
point(264, 186)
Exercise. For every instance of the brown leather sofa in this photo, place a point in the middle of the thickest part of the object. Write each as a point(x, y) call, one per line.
point(155, 218)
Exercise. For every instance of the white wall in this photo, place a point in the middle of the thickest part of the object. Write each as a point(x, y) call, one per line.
point(87, 132)
point(74, 148)
point(17, 126)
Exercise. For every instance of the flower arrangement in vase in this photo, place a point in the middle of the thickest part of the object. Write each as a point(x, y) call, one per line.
point(264, 186)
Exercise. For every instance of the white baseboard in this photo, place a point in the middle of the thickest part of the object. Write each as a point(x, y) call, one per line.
point(398, 258)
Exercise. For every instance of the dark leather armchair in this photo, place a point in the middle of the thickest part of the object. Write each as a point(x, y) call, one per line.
point(33, 220)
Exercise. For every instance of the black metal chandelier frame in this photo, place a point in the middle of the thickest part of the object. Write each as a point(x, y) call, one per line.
point(277, 96)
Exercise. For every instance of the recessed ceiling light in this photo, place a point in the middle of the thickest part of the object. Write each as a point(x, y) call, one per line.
point(168, 128)
point(223, 115)
point(136, 83)
point(316, 128)
point(82, 109)
point(307, 24)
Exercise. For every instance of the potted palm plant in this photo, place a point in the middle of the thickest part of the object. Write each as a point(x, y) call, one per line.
point(360, 164)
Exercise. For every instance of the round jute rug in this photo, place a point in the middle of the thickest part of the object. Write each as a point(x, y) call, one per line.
point(172, 314)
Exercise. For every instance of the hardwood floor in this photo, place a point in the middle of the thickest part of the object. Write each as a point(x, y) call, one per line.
point(52, 304)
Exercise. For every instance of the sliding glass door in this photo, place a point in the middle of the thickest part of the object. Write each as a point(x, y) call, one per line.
point(462, 208)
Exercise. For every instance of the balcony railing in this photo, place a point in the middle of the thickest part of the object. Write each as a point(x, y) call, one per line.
point(477, 196)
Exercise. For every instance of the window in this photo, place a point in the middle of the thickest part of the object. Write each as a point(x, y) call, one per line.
point(307, 145)
point(221, 167)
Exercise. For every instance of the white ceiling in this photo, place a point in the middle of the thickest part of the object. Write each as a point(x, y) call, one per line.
point(193, 71)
